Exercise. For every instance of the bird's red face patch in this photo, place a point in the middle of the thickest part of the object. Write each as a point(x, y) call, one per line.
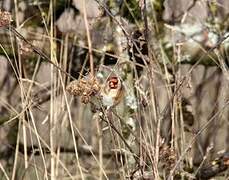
point(113, 82)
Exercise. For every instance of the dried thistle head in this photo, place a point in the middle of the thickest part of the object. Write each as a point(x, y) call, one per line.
point(85, 88)
point(167, 157)
point(5, 18)
point(85, 98)
point(74, 88)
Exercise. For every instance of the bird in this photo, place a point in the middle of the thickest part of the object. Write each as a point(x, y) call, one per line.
point(112, 91)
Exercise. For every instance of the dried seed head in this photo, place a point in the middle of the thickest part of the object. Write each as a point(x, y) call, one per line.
point(5, 18)
point(77, 91)
point(83, 82)
point(167, 157)
point(85, 88)
point(74, 88)
point(85, 99)
point(96, 88)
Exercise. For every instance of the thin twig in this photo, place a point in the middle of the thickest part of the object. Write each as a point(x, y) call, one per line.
point(122, 138)
point(88, 39)
point(123, 30)
point(37, 50)
point(205, 126)
point(165, 111)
